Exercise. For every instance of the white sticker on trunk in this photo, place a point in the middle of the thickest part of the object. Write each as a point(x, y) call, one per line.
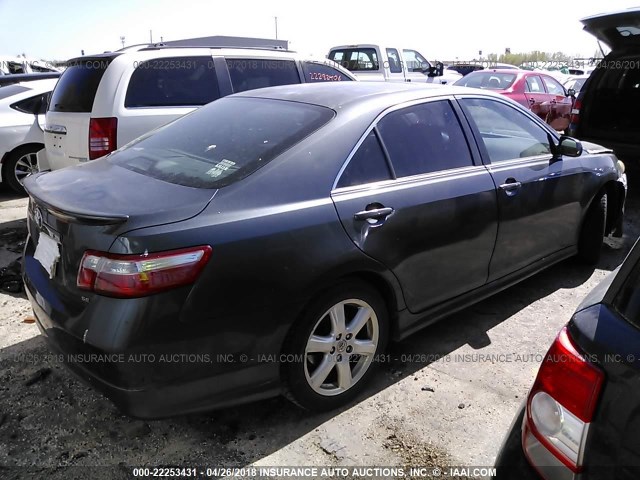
point(47, 253)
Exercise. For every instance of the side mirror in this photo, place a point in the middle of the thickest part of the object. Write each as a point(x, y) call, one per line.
point(435, 71)
point(571, 93)
point(569, 146)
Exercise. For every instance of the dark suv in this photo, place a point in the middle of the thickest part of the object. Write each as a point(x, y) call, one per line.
point(606, 111)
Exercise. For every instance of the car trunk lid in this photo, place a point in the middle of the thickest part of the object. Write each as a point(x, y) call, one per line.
point(617, 30)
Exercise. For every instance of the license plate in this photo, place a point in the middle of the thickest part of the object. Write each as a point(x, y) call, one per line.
point(47, 253)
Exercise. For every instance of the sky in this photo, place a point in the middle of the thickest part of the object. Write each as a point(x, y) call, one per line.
point(442, 30)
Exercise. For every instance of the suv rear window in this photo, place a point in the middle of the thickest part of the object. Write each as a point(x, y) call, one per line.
point(252, 73)
point(223, 142)
point(77, 86)
point(172, 82)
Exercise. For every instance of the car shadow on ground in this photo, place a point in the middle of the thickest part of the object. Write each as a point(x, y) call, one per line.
point(50, 420)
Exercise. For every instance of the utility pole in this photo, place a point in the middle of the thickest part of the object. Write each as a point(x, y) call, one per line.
point(276, 18)
point(121, 40)
point(150, 36)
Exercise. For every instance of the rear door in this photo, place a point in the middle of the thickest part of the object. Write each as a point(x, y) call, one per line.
point(538, 100)
point(539, 200)
point(66, 135)
point(560, 109)
point(412, 198)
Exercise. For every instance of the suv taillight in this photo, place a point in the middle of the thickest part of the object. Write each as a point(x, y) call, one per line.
point(560, 406)
point(102, 136)
point(128, 276)
point(575, 113)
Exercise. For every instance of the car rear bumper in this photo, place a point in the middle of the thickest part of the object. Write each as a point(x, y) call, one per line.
point(239, 382)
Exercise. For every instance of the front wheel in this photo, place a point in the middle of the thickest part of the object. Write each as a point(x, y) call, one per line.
point(593, 229)
point(335, 345)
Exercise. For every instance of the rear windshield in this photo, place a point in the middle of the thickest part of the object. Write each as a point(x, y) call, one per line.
point(76, 89)
point(487, 80)
point(222, 142)
point(356, 59)
point(11, 90)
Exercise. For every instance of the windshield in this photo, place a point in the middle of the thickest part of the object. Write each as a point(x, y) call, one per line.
point(223, 142)
point(487, 80)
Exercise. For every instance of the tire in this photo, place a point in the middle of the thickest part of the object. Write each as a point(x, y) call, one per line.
point(19, 164)
point(327, 373)
point(593, 229)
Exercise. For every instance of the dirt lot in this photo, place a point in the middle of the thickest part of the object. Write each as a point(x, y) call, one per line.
point(449, 402)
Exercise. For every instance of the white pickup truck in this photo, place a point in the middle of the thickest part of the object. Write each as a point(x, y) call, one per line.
point(370, 62)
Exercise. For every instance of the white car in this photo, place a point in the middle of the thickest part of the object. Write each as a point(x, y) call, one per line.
point(103, 102)
point(22, 107)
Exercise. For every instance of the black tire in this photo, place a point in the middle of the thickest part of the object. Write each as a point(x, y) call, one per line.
point(297, 374)
point(22, 155)
point(593, 229)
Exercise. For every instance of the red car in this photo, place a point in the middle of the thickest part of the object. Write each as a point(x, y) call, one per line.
point(541, 93)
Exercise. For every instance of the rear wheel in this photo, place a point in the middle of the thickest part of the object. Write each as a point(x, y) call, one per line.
point(334, 347)
point(593, 229)
point(20, 163)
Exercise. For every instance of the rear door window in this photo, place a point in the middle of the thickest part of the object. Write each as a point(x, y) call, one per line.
point(320, 72)
point(367, 165)
point(10, 90)
point(223, 142)
point(77, 86)
point(172, 82)
point(395, 64)
point(251, 73)
point(425, 138)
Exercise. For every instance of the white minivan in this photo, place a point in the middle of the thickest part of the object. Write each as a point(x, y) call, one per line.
point(102, 102)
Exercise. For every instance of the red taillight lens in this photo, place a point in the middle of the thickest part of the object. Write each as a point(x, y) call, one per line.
point(561, 404)
point(102, 136)
point(129, 276)
point(575, 112)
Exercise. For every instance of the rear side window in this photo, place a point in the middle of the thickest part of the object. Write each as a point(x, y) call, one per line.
point(172, 82)
point(425, 138)
point(252, 73)
point(77, 86)
point(35, 105)
point(356, 59)
point(367, 165)
point(319, 72)
point(223, 142)
point(489, 80)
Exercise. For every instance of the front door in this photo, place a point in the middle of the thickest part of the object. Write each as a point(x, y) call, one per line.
point(538, 196)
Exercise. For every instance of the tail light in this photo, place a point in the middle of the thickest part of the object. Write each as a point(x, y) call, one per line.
point(128, 276)
point(560, 407)
point(575, 113)
point(102, 136)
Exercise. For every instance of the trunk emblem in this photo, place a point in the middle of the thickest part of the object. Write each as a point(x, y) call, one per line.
point(37, 217)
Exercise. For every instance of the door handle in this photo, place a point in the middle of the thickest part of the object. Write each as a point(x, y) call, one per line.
point(374, 214)
point(511, 187)
point(532, 101)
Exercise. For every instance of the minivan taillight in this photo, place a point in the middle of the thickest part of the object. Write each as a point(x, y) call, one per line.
point(560, 406)
point(128, 276)
point(102, 136)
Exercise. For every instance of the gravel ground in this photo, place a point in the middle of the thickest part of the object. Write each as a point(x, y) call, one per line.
point(446, 398)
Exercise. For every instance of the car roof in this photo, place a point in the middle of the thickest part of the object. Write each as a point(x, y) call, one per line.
point(344, 95)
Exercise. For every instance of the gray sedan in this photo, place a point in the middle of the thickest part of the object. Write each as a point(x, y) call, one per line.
point(273, 241)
